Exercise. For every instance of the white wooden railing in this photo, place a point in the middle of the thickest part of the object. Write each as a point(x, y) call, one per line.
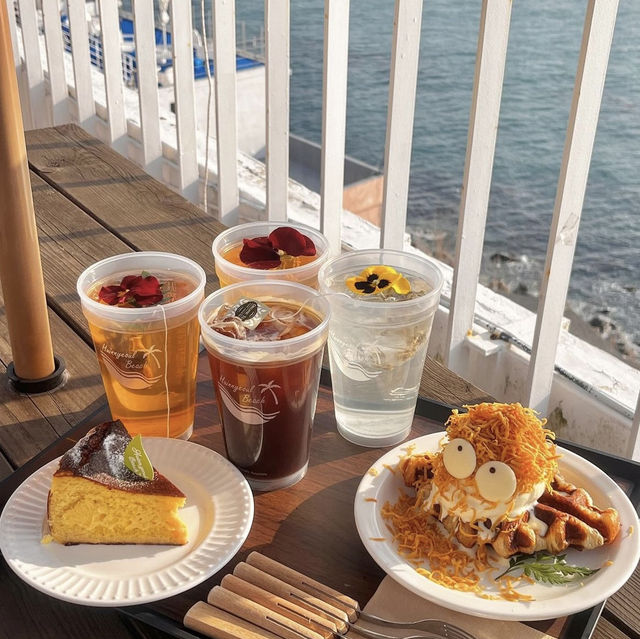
point(44, 84)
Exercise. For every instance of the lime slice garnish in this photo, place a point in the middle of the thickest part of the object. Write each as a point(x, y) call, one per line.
point(136, 459)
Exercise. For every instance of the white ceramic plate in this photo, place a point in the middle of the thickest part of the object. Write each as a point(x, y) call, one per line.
point(218, 514)
point(550, 601)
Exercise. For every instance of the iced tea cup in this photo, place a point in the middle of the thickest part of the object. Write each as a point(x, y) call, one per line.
point(265, 341)
point(289, 261)
point(381, 315)
point(142, 310)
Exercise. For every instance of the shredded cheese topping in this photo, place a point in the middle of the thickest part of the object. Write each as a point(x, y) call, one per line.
point(504, 432)
point(508, 433)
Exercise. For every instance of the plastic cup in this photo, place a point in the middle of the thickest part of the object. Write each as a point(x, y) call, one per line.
point(148, 356)
point(377, 349)
point(230, 273)
point(267, 390)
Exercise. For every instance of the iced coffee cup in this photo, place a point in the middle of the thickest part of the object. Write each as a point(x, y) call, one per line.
point(270, 251)
point(142, 310)
point(382, 307)
point(265, 341)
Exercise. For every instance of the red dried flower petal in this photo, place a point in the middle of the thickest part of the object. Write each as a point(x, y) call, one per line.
point(133, 290)
point(109, 294)
point(144, 286)
point(292, 242)
point(129, 281)
point(259, 251)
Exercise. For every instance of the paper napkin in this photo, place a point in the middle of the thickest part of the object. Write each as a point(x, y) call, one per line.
point(395, 602)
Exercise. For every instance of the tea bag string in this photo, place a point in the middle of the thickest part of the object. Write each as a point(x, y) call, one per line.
point(294, 314)
point(166, 364)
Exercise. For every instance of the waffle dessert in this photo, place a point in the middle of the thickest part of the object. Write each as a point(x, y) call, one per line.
point(95, 499)
point(496, 483)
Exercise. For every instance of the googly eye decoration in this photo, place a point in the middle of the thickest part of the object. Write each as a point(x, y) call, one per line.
point(496, 481)
point(459, 458)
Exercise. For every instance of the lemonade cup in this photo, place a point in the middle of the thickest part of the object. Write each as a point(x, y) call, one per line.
point(377, 348)
point(267, 390)
point(230, 270)
point(148, 356)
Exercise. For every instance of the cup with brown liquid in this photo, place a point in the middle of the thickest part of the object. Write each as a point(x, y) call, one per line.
point(265, 341)
point(142, 313)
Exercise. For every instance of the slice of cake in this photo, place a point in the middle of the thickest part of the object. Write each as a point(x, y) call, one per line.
point(95, 499)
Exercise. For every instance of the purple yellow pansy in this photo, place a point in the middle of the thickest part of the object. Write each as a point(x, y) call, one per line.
point(378, 279)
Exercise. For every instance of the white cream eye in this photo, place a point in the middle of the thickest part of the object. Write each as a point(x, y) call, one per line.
point(459, 458)
point(496, 481)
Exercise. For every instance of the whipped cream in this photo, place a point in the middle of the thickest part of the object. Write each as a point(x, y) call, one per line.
point(463, 502)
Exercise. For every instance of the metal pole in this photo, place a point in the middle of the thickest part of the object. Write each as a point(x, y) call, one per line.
point(34, 368)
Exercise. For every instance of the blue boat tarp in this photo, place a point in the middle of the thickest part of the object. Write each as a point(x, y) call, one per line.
point(129, 74)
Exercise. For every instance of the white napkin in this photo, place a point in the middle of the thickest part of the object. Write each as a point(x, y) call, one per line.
point(394, 602)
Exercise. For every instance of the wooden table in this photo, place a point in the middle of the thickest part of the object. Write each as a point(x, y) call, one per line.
point(91, 203)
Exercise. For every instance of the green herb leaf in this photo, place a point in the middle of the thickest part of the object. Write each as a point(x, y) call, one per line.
point(547, 568)
point(145, 274)
point(136, 460)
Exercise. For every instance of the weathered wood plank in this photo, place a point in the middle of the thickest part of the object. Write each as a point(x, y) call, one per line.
point(606, 630)
point(28, 424)
point(145, 214)
point(623, 605)
point(70, 241)
point(439, 383)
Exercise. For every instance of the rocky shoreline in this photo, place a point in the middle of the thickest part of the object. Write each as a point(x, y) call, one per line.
point(599, 330)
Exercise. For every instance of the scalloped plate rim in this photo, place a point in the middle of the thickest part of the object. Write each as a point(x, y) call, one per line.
point(242, 503)
point(370, 525)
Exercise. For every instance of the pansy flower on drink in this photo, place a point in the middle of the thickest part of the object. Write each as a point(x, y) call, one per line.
point(134, 291)
point(277, 250)
point(379, 279)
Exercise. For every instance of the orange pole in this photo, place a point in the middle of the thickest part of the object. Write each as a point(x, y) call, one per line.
point(20, 267)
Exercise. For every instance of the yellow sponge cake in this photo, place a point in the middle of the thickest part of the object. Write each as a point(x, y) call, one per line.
point(95, 499)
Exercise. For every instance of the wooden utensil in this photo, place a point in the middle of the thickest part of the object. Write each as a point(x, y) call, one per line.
point(218, 624)
point(259, 615)
point(291, 593)
point(287, 608)
point(306, 584)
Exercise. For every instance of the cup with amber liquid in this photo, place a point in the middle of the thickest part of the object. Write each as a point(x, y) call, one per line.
point(270, 251)
point(142, 310)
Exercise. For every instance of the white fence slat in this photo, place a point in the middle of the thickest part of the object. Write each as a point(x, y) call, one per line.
point(13, 30)
point(334, 119)
point(583, 119)
point(277, 107)
point(184, 91)
point(224, 55)
point(81, 63)
point(55, 61)
point(24, 96)
point(112, 61)
point(402, 98)
point(633, 447)
point(493, 37)
point(144, 28)
point(40, 116)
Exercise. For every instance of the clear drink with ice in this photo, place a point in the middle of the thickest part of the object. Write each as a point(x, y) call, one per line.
point(378, 341)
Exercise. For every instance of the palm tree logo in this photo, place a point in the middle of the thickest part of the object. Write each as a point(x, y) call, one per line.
point(150, 352)
point(269, 387)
